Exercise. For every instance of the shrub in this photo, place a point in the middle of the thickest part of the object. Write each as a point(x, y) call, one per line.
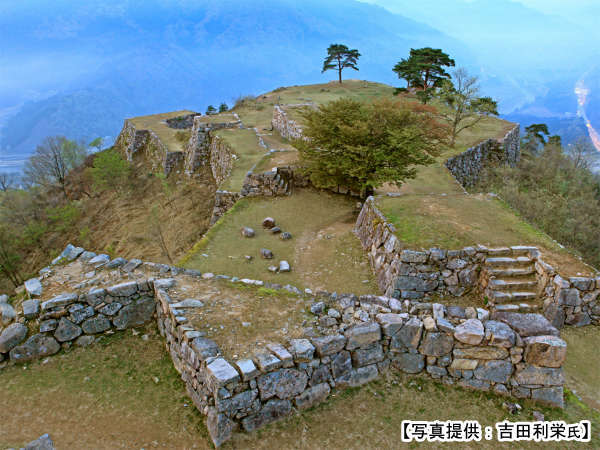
point(183, 136)
point(110, 171)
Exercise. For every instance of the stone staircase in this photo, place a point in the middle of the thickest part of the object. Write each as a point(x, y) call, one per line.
point(511, 279)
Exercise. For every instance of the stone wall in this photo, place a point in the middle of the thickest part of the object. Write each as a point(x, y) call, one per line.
point(182, 122)
point(268, 184)
point(410, 274)
point(570, 300)
point(133, 142)
point(222, 157)
point(224, 201)
point(352, 341)
point(468, 166)
point(288, 128)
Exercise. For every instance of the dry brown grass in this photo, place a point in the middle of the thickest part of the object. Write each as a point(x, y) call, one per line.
point(156, 123)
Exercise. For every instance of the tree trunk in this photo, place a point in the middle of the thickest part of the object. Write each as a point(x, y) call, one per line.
point(340, 70)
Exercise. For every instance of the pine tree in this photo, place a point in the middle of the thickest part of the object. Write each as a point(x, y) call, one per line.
point(340, 57)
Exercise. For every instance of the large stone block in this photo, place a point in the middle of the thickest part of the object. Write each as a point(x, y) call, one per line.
point(219, 426)
point(390, 323)
point(31, 308)
point(481, 352)
point(33, 287)
point(284, 384)
point(408, 283)
point(312, 396)
point(532, 375)
point(436, 344)
point(12, 336)
point(545, 351)
point(408, 336)
point(220, 372)
point(302, 349)
point(409, 362)
point(470, 332)
point(135, 314)
point(37, 346)
point(369, 355)
point(568, 297)
point(552, 396)
point(66, 330)
point(126, 289)
point(328, 345)
point(358, 377)
point(341, 364)
point(95, 325)
point(496, 371)
point(527, 324)
point(59, 300)
point(362, 335)
point(271, 411)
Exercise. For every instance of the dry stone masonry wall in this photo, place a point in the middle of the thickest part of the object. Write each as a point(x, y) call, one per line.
point(222, 157)
point(468, 166)
point(351, 341)
point(287, 128)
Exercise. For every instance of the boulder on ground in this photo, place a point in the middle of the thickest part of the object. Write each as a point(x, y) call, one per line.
point(12, 336)
point(33, 287)
point(285, 236)
point(268, 222)
point(31, 308)
point(7, 314)
point(42, 443)
point(247, 232)
point(284, 266)
point(266, 253)
point(37, 346)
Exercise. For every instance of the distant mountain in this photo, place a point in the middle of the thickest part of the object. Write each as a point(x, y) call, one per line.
point(156, 55)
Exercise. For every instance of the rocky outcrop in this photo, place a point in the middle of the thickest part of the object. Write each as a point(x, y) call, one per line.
point(468, 166)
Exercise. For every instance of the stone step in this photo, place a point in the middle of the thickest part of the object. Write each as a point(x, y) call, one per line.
point(507, 297)
point(523, 250)
point(512, 284)
point(500, 251)
point(519, 261)
point(512, 272)
point(520, 307)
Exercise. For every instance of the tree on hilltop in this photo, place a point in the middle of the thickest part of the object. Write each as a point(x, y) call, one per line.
point(223, 107)
point(340, 57)
point(211, 110)
point(423, 70)
point(361, 146)
point(535, 138)
point(465, 108)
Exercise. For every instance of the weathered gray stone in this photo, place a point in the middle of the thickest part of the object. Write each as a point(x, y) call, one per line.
point(470, 332)
point(463, 364)
point(369, 355)
point(483, 352)
point(532, 375)
point(445, 326)
point(499, 334)
point(328, 345)
point(436, 344)
point(126, 289)
point(33, 287)
point(411, 256)
point(408, 283)
point(582, 283)
point(272, 411)
point(285, 236)
point(266, 361)
point(66, 330)
point(358, 377)
point(545, 351)
point(455, 264)
point(302, 349)
point(81, 314)
point(71, 252)
point(131, 265)
point(409, 335)
point(111, 309)
point(266, 253)
point(220, 372)
point(204, 348)
point(390, 323)
point(409, 362)
point(247, 368)
point(568, 297)
point(12, 336)
point(283, 383)
point(99, 260)
point(495, 370)
point(527, 324)
point(219, 426)
point(95, 325)
point(475, 384)
point(552, 396)
point(436, 372)
point(135, 314)
point(240, 402)
point(312, 396)
point(37, 346)
point(42, 443)
point(468, 276)
point(59, 300)
point(341, 364)
point(580, 319)
point(117, 262)
point(362, 334)
point(284, 266)
point(31, 308)
point(247, 232)
point(48, 325)
point(456, 311)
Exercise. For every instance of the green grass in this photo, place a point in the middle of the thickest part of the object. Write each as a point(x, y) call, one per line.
point(244, 144)
point(323, 252)
point(457, 221)
point(156, 123)
point(583, 366)
point(219, 118)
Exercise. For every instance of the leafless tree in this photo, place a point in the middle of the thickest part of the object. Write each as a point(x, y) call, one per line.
point(52, 161)
point(8, 181)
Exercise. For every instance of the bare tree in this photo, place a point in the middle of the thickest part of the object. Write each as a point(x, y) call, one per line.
point(52, 161)
point(580, 153)
point(465, 107)
point(8, 181)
